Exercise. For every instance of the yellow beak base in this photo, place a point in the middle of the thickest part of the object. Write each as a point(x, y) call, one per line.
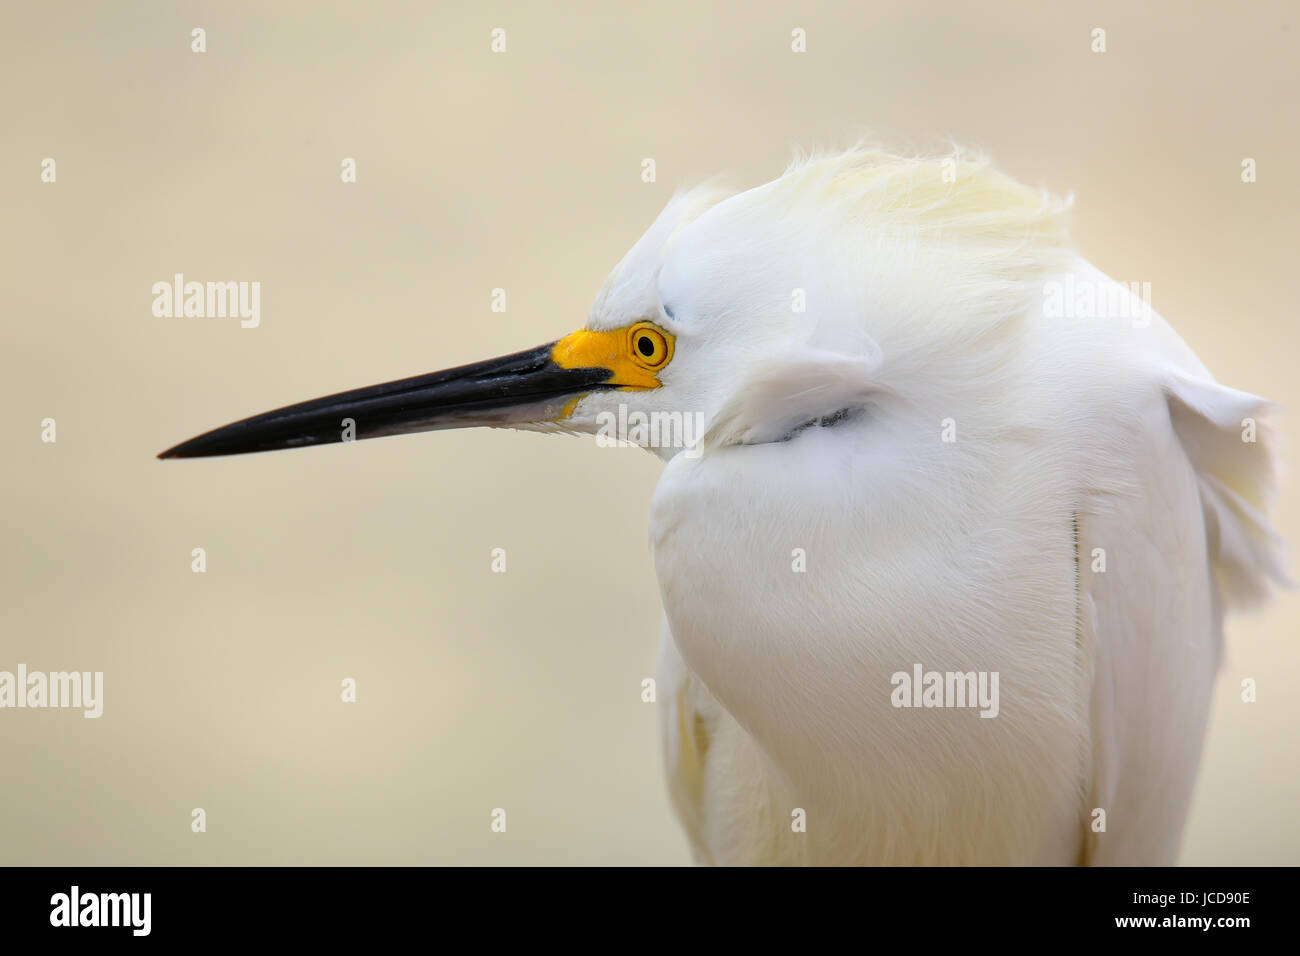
point(622, 351)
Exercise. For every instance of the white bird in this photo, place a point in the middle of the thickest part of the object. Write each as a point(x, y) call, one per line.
point(945, 461)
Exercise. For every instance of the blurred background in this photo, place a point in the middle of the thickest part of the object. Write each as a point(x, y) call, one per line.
point(521, 171)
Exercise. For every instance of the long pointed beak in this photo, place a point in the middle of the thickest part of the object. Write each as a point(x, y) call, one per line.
point(529, 386)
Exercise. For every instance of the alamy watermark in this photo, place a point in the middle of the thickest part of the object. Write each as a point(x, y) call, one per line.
point(208, 300)
point(653, 429)
point(129, 910)
point(1073, 298)
point(922, 688)
point(38, 689)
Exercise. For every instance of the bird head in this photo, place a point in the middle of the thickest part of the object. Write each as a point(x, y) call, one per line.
point(735, 319)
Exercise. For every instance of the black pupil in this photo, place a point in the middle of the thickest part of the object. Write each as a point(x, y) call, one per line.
point(646, 346)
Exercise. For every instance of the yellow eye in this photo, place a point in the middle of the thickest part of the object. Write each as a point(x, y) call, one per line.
point(648, 346)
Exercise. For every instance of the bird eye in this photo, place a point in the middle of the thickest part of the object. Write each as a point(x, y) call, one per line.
point(649, 347)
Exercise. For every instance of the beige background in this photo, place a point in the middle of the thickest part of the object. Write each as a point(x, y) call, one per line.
point(520, 171)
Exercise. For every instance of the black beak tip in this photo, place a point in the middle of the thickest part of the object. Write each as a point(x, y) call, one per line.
point(176, 451)
point(202, 446)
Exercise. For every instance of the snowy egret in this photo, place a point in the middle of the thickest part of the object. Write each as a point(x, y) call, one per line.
point(945, 574)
